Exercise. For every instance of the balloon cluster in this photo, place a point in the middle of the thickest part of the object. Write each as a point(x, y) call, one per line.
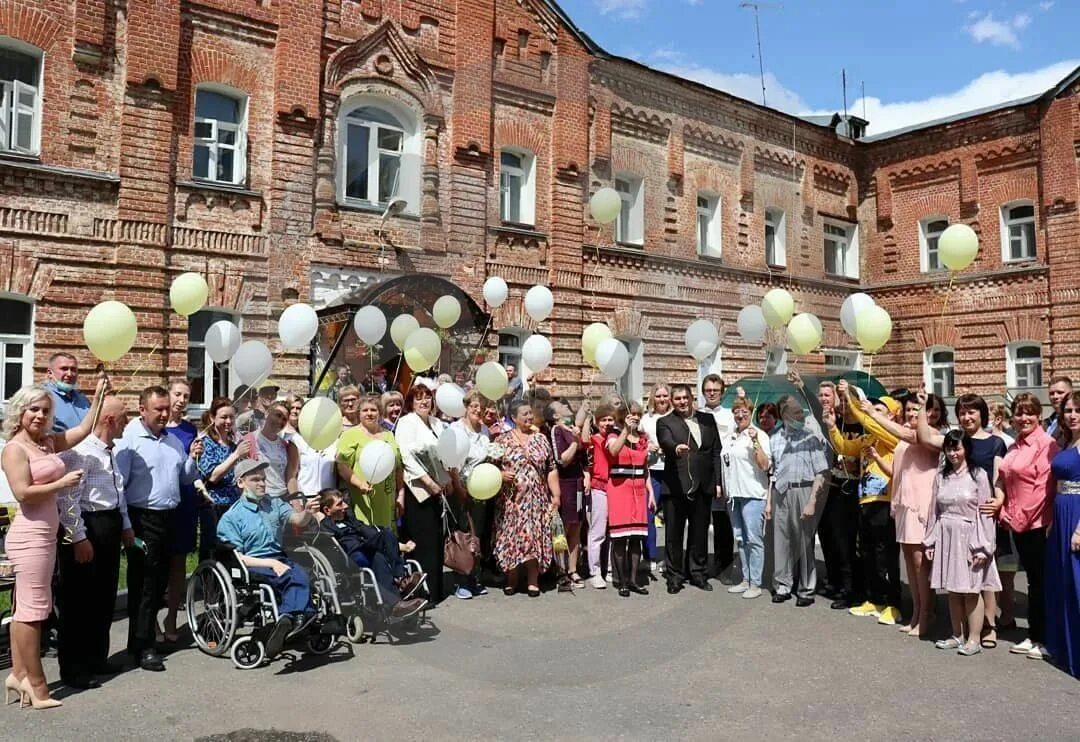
point(603, 351)
point(777, 309)
point(866, 322)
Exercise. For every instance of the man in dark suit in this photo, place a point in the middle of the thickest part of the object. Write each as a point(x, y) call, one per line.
point(692, 472)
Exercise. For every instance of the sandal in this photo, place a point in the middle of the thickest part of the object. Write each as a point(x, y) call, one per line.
point(577, 579)
point(509, 590)
point(989, 638)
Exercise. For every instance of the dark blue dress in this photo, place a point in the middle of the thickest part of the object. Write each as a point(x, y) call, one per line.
point(1063, 566)
point(187, 514)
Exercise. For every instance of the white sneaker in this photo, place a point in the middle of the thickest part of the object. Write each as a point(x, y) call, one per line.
point(597, 582)
point(610, 578)
point(742, 587)
point(657, 567)
point(1022, 648)
point(751, 593)
point(1038, 652)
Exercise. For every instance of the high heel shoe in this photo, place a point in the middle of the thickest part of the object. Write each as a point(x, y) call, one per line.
point(12, 685)
point(38, 703)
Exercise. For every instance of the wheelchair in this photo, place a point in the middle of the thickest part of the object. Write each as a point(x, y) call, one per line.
point(231, 611)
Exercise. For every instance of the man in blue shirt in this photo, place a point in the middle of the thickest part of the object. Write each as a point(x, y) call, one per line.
point(153, 465)
point(253, 526)
point(62, 380)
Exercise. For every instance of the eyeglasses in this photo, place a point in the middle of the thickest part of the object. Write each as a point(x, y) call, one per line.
point(350, 400)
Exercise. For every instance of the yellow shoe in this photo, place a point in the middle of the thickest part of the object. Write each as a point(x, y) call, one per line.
point(866, 609)
point(889, 616)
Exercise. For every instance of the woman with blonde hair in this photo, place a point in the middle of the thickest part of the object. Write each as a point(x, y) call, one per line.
point(391, 404)
point(659, 405)
point(36, 475)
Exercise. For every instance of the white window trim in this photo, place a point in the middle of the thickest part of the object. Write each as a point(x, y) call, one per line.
point(27, 341)
point(239, 149)
point(775, 360)
point(924, 243)
point(631, 385)
point(10, 107)
point(851, 254)
point(777, 219)
point(634, 201)
point(714, 242)
point(854, 356)
point(1011, 376)
point(930, 366)
point(1005, 223)
point(409, 175)
point(196, 405)
point(527, 197)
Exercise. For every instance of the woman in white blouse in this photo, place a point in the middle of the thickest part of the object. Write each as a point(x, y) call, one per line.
point(746, 482)
point(481, 511)
point(317, 468)
point(426, 482)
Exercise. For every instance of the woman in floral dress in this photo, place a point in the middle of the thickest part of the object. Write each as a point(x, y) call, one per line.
point(530, 495)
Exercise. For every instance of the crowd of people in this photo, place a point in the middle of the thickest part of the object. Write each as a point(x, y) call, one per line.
point(584, 489)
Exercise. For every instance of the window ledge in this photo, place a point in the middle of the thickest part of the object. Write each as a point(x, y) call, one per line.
point(631, 245)
point(776, 266)
point(841, 277)
point(368, 208)
point(33, 164)
point(210, 185)
point(1020, 262)
point(524, 230)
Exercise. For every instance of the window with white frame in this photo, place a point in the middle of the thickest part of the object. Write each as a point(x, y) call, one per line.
point(775, 360)
point(220, 144)
point(208, 379)
point(16, 346)
point(708, 225)
point(510, 342)
point(841, 249)
point(630, 226)
point(1024, 365)
point(20, 97)
point(775, 237)
point(631, 385)
point(1018, 231)
point(839, 361)
point(939, 369)
point(517, 187)
point(379, 154)
point(930, 231)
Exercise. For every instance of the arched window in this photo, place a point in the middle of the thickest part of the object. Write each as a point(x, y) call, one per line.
point(378, 154)
point(220, 146)
point(1024, 365)
point(20, 97)
point(16, 345)
point(930, 231)
point(208, 379)
point(517, 186)
point(939, 371)
point(1018, 231)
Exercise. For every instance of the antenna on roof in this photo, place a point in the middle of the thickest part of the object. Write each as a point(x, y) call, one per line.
point(862, 92)
point(757, 29)
point(843, 84)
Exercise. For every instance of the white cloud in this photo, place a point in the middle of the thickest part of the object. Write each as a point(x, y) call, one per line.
point(740, 84)
point(621, 8)
point(986, 28)
point(1045, 5)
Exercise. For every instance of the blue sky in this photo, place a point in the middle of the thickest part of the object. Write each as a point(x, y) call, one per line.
point(919, 59)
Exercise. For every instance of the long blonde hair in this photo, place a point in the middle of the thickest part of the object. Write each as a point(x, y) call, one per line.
point(18, 404)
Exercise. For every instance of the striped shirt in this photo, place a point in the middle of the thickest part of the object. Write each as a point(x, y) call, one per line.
point(100, 489)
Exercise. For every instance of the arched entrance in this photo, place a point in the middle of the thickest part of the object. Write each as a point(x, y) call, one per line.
point(339, 357)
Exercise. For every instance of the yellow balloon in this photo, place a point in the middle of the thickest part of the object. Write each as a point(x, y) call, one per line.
point(485, 481)
point(873, 327)
point(400, 329)
point(605, 205)
point(446, 312)
point(188, 293)
point(958, 246)
point(777, 306)
point(422, 349)
point(320, 422)
point(803, 335)
point(592, 336)
point(109, 330)
point(491, 380)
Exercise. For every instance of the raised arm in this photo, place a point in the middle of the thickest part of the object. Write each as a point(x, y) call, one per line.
point(74, 436)
point(928, 436)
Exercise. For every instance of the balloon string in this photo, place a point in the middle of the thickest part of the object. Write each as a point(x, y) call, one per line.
point(141, 366)
point(948, 292)
point(480, 344)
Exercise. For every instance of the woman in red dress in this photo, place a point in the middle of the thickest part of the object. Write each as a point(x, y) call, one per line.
point(629, 496)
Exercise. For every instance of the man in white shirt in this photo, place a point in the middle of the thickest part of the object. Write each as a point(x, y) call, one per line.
point(95, 520)
point(712, 389)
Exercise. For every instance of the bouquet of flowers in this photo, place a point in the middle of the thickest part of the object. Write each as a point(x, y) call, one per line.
point(495, 453)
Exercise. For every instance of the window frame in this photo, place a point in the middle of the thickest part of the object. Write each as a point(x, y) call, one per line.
point(854, 356)
point(24, 340)
point(632, 204)
point(1013, 364)
point(850, 240)
point(775, 360)
point(777, 219)
point(229, 378)
point(239, 148)
point(526, 171)
point(411, 156)
point(631, 385)
point(1006, 223)
point(10, 108)
point(932, 366)
point(925, 239)
point(709, 242)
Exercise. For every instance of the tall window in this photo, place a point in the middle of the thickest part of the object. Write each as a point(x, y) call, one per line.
point(930, 231)
point(16, 346)
point(708, 225)
point(20, 97)
point(1018, 231)
point(775, 237)
point(630, 226)
point(631, 385)
point(517, 187)
point(220, 136)
point(841, 250)
point(1024, 365)
point(510, 347)
point(208, 379)
point(939, 371)
point(374, 143)
point(839, 361)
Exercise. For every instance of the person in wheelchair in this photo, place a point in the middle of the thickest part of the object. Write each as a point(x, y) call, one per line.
point(374, 547)
point(252, 526)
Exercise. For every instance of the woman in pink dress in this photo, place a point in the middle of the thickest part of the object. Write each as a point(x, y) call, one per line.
point(629, 496)
point(36, 475)
point(960, 543)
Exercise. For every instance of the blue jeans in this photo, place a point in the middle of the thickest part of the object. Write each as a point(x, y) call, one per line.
point(748, 523)
point(292, 589)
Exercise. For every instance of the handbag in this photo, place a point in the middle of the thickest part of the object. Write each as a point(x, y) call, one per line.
point(461, 548)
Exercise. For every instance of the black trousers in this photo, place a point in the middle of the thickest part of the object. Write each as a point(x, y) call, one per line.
point(723, 541)
point(1031, 549)
point(682, 513)
point(626, 557)
point(148, 573)
point(839, 533)
point(424, 525)
point(880, 554)
point(483, 518)
point(88, 596)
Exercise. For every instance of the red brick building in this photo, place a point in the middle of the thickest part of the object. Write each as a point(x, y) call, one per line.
point(296, 149)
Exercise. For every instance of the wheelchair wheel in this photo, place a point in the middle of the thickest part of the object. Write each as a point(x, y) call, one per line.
point(211, 608)
point(320, 643)
point(354, 629)
point(248, 653)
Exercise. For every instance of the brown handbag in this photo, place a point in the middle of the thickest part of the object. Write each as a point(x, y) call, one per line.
point(461, 547)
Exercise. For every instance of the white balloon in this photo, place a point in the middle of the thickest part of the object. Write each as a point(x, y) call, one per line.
point(447, 446)
point(463, 446)
point(400, 329)
point(612, 358)
point(222, 341)
point(539, 302)
point(536, 353)
point(252, 362)
point(297, 326)
point(450, 398)
point(495, 291)
point(377, 461)
point(370, 325)
point(850, 309)
point(701, 339)
point(751, 323)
